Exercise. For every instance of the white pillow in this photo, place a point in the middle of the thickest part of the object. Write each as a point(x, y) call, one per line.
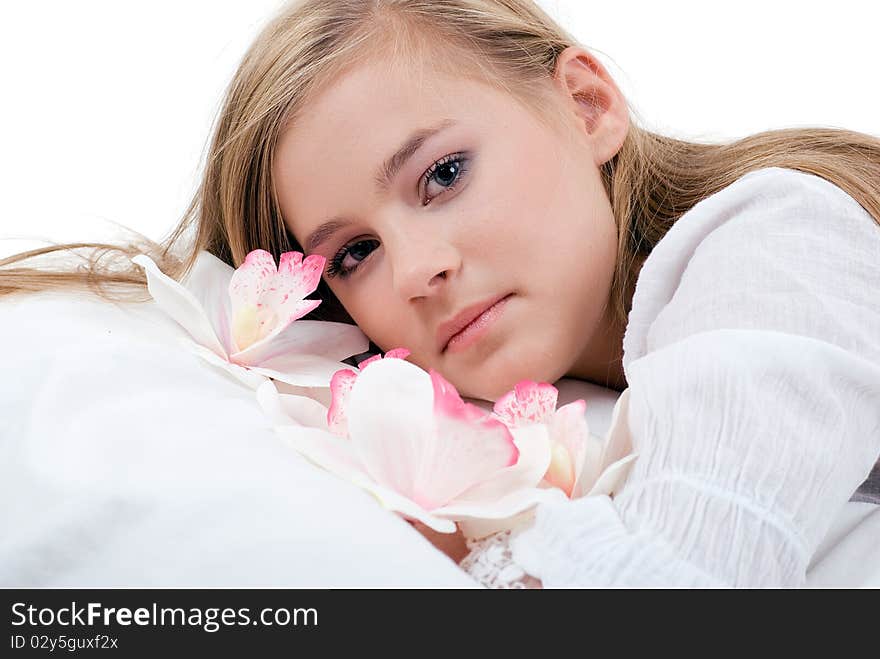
point(129, 461)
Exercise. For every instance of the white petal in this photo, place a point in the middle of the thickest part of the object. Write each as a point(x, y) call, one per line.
point(288, 409)
point(179, 303)
point(618, 442)
point(302, 371)
point(509, 506)
point(336, 341)
point(390, 417)
point(320, 394)
point(246, 376)
point(325, 450)
point(568, 428)
point(409, 509)
point(208, 281)
point(474, 528)
point(613, 477)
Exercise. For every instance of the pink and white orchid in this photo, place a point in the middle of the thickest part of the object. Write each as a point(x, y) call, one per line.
point(243, 319)
point(411, 441)
point(581, 464)
point(340, 387)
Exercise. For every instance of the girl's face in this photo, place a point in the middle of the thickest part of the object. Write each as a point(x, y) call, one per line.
point(455, 224)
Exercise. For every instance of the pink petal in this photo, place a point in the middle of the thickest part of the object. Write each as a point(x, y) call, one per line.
point(296, 278)
point(533, 443)
point(251, 279)
point(340, 388)
point(448, 403)
point(528, 402)
point(395, 353)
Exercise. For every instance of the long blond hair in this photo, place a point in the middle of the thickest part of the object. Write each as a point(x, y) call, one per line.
point(511, 44)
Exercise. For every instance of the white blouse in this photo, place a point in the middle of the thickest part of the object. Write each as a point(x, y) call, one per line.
point(752, 357)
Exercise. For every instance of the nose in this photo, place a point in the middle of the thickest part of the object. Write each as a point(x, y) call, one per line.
point(422, 263)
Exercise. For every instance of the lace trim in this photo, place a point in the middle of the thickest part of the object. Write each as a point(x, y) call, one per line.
point(490, 562)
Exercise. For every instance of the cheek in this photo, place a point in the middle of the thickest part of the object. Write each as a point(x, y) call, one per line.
point(380, 315)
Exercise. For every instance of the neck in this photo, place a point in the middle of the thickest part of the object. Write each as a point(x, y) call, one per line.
point(601, 361)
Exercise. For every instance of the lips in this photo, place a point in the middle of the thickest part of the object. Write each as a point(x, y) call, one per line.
point(451, 327)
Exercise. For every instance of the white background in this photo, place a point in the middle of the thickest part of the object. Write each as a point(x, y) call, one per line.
point(107, 105)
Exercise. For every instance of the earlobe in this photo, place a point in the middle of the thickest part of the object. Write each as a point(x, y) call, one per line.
point(600, 109)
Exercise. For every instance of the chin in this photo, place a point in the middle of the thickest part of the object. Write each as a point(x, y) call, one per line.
point(490, 387)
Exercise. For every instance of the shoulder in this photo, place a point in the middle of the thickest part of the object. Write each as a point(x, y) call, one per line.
point(778, 250)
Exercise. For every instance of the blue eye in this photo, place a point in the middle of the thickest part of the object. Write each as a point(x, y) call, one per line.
point(447, 172)
point(347, 259)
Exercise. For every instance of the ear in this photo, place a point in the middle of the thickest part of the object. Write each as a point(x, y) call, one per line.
point(600, 110)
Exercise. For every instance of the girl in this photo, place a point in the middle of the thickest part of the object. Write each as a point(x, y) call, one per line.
point(483, 196)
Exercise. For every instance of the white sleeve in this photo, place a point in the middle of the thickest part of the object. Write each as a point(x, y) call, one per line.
point(755, 411)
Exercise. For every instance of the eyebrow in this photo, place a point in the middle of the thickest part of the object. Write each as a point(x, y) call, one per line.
point(383, 178)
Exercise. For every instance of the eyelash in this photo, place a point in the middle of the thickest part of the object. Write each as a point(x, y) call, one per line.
point(335, 268)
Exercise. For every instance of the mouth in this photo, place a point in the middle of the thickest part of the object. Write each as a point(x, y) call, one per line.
point(470, 324)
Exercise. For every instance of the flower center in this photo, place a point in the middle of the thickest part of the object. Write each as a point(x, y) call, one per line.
point(252, 323)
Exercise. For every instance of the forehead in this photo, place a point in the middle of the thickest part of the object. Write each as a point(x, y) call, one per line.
point(384, 99)
point(347, 130)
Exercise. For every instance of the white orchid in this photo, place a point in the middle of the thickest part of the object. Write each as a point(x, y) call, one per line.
point(243, 319)
point(406, 436)
point(581, 463)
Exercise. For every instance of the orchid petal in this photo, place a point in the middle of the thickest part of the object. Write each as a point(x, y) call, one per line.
point(179, 303)
point(251, 279)
point(266, 299)
point(533, 444)
point(320, 394)
point(208, 281)
point(389, 440)
point(288, 409)
point(613, 477)
point(448, 404)
point(334, 341)
point(618, 441)
point(301, 371)
point(338, 457)
point(246, 376)
point(409, 509)
point(571, 436)
point(527, 402)
point(511, 505)
point(396, 353)
point(296, 278)
point(561, 472)
point(325, 450)
point(340, 388)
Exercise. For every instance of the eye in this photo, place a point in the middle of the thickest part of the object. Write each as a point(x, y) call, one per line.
point(447, 172)
point(349, 257)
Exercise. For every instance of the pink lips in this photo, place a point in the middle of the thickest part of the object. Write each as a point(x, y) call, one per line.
point(469, 325)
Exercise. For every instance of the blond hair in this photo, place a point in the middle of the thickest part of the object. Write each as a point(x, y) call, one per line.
point(510, 44)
